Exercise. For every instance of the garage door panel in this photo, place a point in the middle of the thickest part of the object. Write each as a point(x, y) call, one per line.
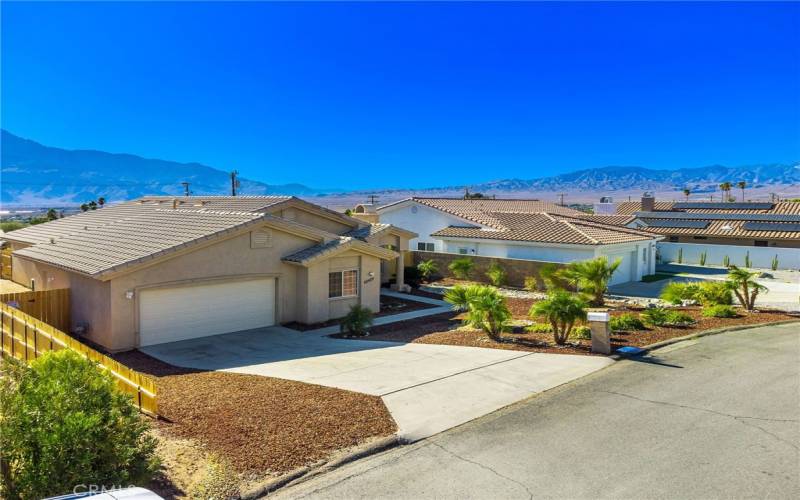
point(185, 312)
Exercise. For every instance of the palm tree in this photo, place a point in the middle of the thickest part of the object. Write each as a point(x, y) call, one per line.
point(356, 321)
point(52, 214)
point(591, 277)
point(101, 201)
point(84, 207)
point(427, 268)
point(462, 268)
point(741, 185)
point(561, 309)
point(486, 308)
point(686, 193)
point(725, 187)
point(743, 284)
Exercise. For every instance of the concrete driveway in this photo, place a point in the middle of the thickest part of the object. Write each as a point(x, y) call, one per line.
point(427, 388)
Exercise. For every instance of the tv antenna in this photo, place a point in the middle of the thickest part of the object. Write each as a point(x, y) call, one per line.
point(185, 188)
point(373, 198)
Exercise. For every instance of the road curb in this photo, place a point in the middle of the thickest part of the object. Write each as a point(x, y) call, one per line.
point(357, 453)
point(704, 333)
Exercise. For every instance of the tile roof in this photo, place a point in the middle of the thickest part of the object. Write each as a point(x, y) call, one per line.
point(103, 248)
point(330, 248)
point(365, 232)
point(613, 220)
point(549, 228)
point(482, 210)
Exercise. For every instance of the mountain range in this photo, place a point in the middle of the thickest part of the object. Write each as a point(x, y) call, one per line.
point(38, 175)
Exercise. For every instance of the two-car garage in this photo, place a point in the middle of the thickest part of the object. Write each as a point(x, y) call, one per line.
point(169, 314)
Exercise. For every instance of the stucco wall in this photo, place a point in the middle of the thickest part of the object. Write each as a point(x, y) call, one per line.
point(760, 257)
point(314, 220)
point(424, 221)
point(520, 251)
point(746, 242)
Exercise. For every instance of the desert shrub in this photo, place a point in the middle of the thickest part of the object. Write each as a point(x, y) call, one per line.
point(64, 422)
point(581, 332)
point(11, 226)
point(561, 309)
point(675, 292)
point(714, 292)
point(496, 274)
point(774, 263)
point(357, 320)
point(625, 323)
point(703, 257)
point(719, 311)
point(462, 268)
point(531, 284)
point(656, 316)
point(427, 268)
point(679, 318)
point(539, 328)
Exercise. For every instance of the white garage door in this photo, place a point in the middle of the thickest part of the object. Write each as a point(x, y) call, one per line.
point(623, 273)
point(186, 312)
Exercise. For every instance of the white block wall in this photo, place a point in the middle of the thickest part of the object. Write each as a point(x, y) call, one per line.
point(760, 257)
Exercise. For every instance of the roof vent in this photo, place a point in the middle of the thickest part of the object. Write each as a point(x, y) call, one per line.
point(727, 227)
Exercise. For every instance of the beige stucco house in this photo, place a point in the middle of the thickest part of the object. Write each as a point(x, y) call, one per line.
point(162, 269)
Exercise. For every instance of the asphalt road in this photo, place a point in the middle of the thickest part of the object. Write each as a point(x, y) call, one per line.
point(718, 417)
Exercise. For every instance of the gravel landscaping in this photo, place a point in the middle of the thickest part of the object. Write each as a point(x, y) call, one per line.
point(261, 425)
point(389, 306)
point(447, 329)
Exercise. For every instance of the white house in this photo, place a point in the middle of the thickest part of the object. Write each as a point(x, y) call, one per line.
point(520, 229)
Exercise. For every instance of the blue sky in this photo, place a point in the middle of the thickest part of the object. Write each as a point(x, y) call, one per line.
point(377, 95)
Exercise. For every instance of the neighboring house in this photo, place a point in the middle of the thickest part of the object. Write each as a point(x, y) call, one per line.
point(161, 269)
point(759, 232)
point(521, 229)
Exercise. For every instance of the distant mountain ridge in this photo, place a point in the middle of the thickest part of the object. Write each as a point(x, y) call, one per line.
point(34, 174)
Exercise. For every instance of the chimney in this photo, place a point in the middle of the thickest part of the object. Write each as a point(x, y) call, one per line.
point(648, 203)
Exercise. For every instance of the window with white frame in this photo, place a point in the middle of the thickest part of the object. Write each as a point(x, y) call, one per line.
point(463, 251)
point(343, 283)
point(425, 247)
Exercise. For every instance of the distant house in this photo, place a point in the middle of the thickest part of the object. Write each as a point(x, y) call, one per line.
point(520, 229)
point(758, 232)
point(161, 269)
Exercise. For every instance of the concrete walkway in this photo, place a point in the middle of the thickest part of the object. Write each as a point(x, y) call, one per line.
point(427, 388)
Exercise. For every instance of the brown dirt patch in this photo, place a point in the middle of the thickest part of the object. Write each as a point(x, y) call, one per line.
point(260, 424)
point(389, 306)
point(444, 329)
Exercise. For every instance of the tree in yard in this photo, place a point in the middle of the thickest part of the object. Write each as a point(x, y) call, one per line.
point(64, 422)
point(686, 193)
point(101, 201)
point(427, 268)
point(92, 205)
point(591, 277)
point(496, 274)
point(486, 308)
point(741, 185)
point(356, 321)
point(462, 268)
point(725, 187)
point(52, 214)
point(561, 309)
point(84, 207)
point(744, 285)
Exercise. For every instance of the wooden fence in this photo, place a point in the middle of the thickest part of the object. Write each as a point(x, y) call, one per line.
point(24, 337)
point(50, 306)
point(5, 264)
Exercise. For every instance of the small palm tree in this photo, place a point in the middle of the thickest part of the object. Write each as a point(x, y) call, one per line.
point(686, 193)
point(561, 309)
point(356, 321)
point(461, 268)
point(496, 274)
point(460, 296)
point(427, 268)
point(744, 285)
point(101, 201)
point(486, 308)
point(591, 277)
point(741, 185)
point(725, 187)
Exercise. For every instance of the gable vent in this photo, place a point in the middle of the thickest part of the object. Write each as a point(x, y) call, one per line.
point(261, 238)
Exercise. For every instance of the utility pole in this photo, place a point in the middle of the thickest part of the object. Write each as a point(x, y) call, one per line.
point(373, 198)
point(185, 188)
point(561, 197)
point(234, 182)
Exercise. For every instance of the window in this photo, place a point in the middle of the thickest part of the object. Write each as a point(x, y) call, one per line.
point(699, 238)
point(425, 247)
point(462, 251)
point(343, 284)
point(760, 243)
point(673, 239)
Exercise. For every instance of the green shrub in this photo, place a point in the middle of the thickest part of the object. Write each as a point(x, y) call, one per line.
point(679, 318)
point(531, 284)
point(561, 309)
point(726, 261)
point(462, 268)
point(774, 263)
point(486, 308)
point(719, 311)
point(714, 292)
point(552, 279)
point(427, 268)
point(625, 323)
point(64, 422)
point(703, 256)
point(581, 332)
point(747, 262)
point(496, 274)
point(11, 226)
point(675, 292)
point(656, 316)
point(357, 321)
point(539, 328)
point(680, 256)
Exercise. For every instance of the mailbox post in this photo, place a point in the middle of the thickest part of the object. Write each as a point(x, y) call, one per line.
point(601, 335)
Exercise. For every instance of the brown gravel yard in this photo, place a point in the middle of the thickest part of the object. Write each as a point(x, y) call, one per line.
point(262, 425)
point(445, 329)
